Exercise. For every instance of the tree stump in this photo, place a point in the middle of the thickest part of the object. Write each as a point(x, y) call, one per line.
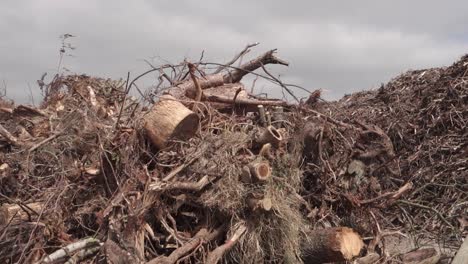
point(169, 119)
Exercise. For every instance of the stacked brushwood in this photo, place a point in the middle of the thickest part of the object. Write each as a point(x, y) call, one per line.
point(202, 171)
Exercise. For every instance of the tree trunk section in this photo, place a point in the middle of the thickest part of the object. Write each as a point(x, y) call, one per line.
point(332, 245)
point(260, 171)
point(169, 119)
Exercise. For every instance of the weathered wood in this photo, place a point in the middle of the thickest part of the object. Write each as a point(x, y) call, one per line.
point(370, 258)
point(187, 88)
point(15, 214)
point(422, 256)
point(332, 245)
point(169, 119)
point(462, 255)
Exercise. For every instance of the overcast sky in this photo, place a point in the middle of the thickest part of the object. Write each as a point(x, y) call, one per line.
point(340, 46)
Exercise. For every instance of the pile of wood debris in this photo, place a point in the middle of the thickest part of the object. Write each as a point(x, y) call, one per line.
point(202, 171)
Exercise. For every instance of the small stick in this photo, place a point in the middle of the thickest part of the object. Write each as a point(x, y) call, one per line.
point(198, 88)
point(65, 251)
point(9, 137)
point(240, 54)
point(427, 208)
point(268, 117)
point(261, 114)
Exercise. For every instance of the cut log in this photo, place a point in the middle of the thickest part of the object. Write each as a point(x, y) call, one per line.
point(331, 245)
point(260, 171)
point(169, 119)
point(270, 135)
point(15, 214)
point(462, 255)
point(264, 204)
point(422, 256)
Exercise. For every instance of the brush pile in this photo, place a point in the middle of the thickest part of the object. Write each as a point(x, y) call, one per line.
point(202, 171)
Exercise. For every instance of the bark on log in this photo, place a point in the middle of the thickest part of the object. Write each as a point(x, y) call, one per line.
point(169, 119)
point(331, 245)
point(16, 214)
point(421, 256)
point(260, 171)
point(187, 88)
point(462, 255)
point(270, 135)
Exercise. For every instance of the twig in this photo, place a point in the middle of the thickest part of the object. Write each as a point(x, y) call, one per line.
point(186, 186)
point(243, 101)
point(202, 236)
point(239, 55)
point(266, 58)
point(9, 137)
point(427, 208)
point(393, 195)
point(33, 148)
point(127, 89)
point(280, 83)
point(199, 91)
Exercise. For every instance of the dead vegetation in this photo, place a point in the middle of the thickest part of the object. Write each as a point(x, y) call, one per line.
point(202, 171)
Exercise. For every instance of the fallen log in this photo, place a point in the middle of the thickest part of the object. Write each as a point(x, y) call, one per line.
point(16, 213)
point(169, 119)
point(331, 245)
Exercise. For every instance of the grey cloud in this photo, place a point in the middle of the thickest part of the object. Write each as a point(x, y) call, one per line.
point(340, 46)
